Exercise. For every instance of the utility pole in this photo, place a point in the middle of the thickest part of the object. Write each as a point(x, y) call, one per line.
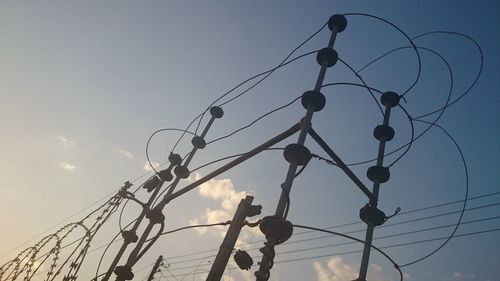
point(155, 268)
point(245, 209)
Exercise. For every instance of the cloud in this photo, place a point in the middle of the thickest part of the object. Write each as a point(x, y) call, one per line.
point(463, 276)
point(148, 168)
point(66, 142)
point(67, 166)
point(337, 270)
point(126, 154)
point(223, 191)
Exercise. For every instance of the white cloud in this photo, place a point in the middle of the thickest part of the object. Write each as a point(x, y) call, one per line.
point(221, 190)
point(126, 154)
point(66, 142)
point(67, 166)
point(147, 167)
point(463, 276)
point(337, 270)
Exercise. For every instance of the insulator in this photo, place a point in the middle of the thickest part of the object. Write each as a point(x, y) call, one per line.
point(276, 227)
point(175, 159)
point(198, 142)
point(383, 133)
point(378, 174)
point(151, 184)
point(313, 99)
point(390, 99)
point(243, 259)
point(216, 111)
point(155, 216)
point(182, 171)
point(327, 56)
point(129, 236)
point(124, 272)
point(297, 154)
point(372, 215)
point(166, 175)
point(339, 21)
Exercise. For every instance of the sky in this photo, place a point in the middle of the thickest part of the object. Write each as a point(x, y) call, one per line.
point(83, 84)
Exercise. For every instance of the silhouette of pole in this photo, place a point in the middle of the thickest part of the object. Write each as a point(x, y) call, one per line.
point(276, 228)
point(378, 174)
point(155, 268)
point(245, 208)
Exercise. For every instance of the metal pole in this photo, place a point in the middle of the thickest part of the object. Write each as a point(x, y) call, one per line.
point(134, 228)
point(155, 268)
point(374, 201)
point(340, 163)
point(229, 241)
point(267, 262)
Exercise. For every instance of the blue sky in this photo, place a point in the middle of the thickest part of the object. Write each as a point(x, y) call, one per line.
point(84, 83)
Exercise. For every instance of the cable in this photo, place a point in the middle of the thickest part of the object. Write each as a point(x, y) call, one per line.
point(401, 213)
point(267, 73)
point(448, 33)
point(405, 35)
point(153, 134)
point(409, 116)
point(255, 121)
point(465, 198)
point(360, 251)
point(364, 83)
point(358, 240)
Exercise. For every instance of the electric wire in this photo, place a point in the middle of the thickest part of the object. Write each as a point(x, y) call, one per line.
point(387, 225)
point(355, 239)
point(465, 196)
point(476, 78)
point(255, 121)
point(405, 35)
point(360, 251)
point(156, 132)
point(364, 83)
point(266, 73)
point(409, 116)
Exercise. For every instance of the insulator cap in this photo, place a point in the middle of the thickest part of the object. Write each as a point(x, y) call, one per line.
point(390, 99)
point(383, 133)
point(372, 215)
point(151, 184)
point(378, 174)
point(198, 142)
point(297, 154)
point(313, 98)
point(277, 228)
point(327, 56)
point(182, 171)
point(155, 216)
point(243, 259)
point(216, 111)
point(129, 236)
point(339, 21)
point(166, 175)
point(175, 159)
point(124, 272)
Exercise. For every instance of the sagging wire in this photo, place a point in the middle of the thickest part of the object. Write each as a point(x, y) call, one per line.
point(156, 132)
point(364, 83)
point(465, 196)
point(407, 37)
point(266, 73)
point(355, 239)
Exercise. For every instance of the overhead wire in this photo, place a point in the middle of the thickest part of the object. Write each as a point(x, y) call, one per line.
point(266, 73)
point(439, 205)
point(465, 196)
point(405, 35)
